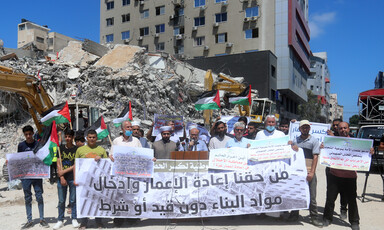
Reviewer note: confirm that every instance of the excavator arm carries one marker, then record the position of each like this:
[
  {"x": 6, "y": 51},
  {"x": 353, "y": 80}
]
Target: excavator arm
[{"x": 28, "y": 87}]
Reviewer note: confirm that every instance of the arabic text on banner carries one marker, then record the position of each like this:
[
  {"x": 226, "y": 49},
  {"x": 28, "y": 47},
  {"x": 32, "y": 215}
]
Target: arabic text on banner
[
  {"x": 160, "y": 120},
  {"x": 185, "y": 189},
  {"x": 318, "y": 130},
  {"x": 26, "y": 165},
  {"x": 235, "y": 158},
  {"x": 132, "y": 162},
  {"x": 346, "y": 153}
]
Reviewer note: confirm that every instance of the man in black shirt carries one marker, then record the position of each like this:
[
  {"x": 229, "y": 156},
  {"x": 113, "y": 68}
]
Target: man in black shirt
[{"x": 65, "y": 172}]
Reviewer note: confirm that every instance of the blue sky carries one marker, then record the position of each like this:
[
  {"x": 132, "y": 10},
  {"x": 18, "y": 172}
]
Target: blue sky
[{"x": 350, "y": 31}]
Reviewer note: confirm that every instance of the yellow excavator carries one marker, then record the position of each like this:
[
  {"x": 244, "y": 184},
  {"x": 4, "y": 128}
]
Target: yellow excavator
[
  {"x": 260, "y": 107},
  {"x": 38, "y": 100}
]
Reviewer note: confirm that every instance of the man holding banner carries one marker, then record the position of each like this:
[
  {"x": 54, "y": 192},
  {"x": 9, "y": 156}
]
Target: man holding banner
[
  {"x": 311, "y": 148},
  {"x": 343, "y": 181}
]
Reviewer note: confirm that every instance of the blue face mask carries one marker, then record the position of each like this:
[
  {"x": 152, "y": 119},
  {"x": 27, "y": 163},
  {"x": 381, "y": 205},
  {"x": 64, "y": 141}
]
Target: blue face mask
[
  {"x": 270, "y": 128},
  {"x": 128, "y": 133}
]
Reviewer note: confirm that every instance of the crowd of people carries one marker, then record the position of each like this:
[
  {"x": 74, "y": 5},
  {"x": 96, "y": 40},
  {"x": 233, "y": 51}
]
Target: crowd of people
[{"x": 341, "y": 182}]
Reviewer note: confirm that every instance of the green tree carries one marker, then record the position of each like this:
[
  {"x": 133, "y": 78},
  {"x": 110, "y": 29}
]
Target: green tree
[
  {"x": 354, "y": 120},
  {"x": 311, "y": 110}
]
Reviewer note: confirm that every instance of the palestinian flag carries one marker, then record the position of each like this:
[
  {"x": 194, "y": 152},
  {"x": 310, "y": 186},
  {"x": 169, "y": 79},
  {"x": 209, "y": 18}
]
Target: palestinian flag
[
  {"x": 58, "y": 113},
  {"x": 208, "y": 100},
  {"x": 47, "y": 146},
  {"x": 244, "y": 98},
  {"x": 100, "y": 127},
  {"x": 124, "y": 116}
]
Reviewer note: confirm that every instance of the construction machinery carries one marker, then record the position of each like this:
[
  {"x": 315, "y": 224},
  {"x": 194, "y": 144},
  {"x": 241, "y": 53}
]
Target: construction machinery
[
  {"x": 38, "y": 100},
  {"x": 260, "y": 107}
]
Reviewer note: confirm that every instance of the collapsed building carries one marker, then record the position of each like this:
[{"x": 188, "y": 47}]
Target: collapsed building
[{"x": 106, "y": 78}]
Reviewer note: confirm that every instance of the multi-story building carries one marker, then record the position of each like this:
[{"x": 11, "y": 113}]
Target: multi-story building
[
  {"x": 192, "y": 29},
  {"x": 379, "y": 80},
  {"x": 319, "y": 81},
  {"x": 29, "y": 32},
  {"x": 335, "y": 110}
]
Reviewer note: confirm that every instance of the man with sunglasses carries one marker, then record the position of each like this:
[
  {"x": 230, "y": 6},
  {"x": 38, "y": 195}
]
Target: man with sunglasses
[{"x": 238, "y": 140}]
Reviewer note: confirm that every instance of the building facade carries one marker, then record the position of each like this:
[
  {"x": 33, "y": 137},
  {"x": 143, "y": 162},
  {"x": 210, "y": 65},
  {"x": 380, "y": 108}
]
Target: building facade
[
  {"x": 207, "y": 28},
  {"x": 379, "y": 80},
  {"x": 31, "y": 33},
  {"x": 319, "y": 81},
  {"x": 335, "y": 110}
]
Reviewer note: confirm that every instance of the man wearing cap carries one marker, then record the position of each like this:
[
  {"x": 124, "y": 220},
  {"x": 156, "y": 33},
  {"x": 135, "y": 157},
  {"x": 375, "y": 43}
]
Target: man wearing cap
[
  {"x": 164, "y": 147},
  {"x": 220, "y": 139},
  {"x": 193, "y": 144},
  {"x": 270, "y": 129},
  {"x": 311, "y": 148},
  {"x": 136, "y": 133}
]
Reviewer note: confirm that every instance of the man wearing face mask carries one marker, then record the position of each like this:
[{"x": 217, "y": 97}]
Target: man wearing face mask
[
  {"x": 193, "y": 144},
  {"x": 127, "y": 139},
  {"x": 270, "y": 129}
]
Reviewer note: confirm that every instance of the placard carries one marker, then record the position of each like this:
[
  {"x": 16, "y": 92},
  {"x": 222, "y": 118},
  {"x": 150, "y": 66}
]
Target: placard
[
  {"x": 318, "y": 130},
  {"x": 26, "y": 165}
]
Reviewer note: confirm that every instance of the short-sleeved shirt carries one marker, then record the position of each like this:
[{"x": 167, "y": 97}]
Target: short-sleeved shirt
[
  {"x": 265, "y": 134},
  {"x": 68, "y": 159},
  {"x": 131, "y": 142},
  {"x": 24, "y": 146},
  {"x": 243, "y": 143},
  {"x": 88, "y": 152},
  {"x": 217, "y": 142},
  {"x": 310, "y": 146}
]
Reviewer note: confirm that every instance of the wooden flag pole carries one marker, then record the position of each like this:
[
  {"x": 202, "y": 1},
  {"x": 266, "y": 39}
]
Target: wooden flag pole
[{"x": 110, "y": 140}]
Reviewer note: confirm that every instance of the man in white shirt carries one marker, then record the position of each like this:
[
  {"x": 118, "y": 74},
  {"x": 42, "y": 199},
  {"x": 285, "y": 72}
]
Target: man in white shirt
[{"x": 270, "y": 129}]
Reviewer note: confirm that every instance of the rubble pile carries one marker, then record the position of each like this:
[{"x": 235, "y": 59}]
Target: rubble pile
[{"x": 154, "y": 83}]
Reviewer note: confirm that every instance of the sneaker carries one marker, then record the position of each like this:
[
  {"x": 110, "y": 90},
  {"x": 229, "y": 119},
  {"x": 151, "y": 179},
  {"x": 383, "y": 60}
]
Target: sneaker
[
  {"x": 44, "y": 224},
  {"x": 343, "y": 215},
  {"x": 29, "y": 224},
  {"x": 355, "y": 227},
  {"x": 75, "y": 224},
  {"x": 316, "y": 222},
  {"x": 58, "y": 225}
]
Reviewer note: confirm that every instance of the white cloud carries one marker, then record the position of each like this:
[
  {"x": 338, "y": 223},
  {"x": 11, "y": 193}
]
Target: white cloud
[{"x": 318, "y": 22}]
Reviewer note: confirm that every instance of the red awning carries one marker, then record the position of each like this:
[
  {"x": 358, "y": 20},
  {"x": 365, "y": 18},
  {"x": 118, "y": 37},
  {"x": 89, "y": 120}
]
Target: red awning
[
  {"x": 322, "y": 99},
  {"x": 327, "y": 80},
  {"x": 372, "y": 92}
]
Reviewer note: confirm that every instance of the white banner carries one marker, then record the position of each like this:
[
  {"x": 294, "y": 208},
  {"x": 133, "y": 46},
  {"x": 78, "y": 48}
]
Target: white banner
[
  {"x": 235, "y": 158},
  {"x": 26, "y": 165},
  {"x": 185, "y": 189},
  {"x": 346, "y": 153},
  {"x": 318, "y": 130}
]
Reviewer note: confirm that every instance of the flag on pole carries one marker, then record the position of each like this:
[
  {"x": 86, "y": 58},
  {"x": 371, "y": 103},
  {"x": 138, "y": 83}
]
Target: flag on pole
[
  {"x": 59, "y": 113},
  {"x": 244, "y": 98},
  {"x": 47, "y": 146},
  {"x": 100, "y": 127},
  {"x": 208, "y": 100},
  {"x": 124, "y": 116}
]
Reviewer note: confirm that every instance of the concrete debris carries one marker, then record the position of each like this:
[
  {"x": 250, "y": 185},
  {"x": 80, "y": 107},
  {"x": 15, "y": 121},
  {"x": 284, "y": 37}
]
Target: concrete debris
[
  {"x": 120, "y": 56},
  {"x": 73, "y": 54},
  {"x": 9, "y": 56},
  {"x": 94, "y": 48},
  {"x": 125, "y": 73}
]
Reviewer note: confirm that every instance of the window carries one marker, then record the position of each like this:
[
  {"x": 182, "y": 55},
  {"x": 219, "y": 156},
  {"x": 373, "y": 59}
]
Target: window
[
  {"x": 110, "y": 5},
  {"x": 145, "y": 47},
  {"x": 223, "y": 54},
  {"x": 160, "y": 10},
  {"x": 145, "y": 14},
  {"x": 221, "y": 38},
  {"x": 199, "y": 41},
  {"x": 200, "y": 21},
  {"x": 178, "y": 30},
  {"x": 160, "y": 46},
  {"x": 218, "y": 1},
  {"x": 125, "y": 35},
  {"x": 160, "y": 28},
  {"x": 252, "y": 12},
  {"x": 126, "y": 2},
  {"x": 125, "y": 18},
  {"x": 40, "y": 39},
  {"x": 199, "y": 3},
  {"x": 311, "y": 87},
  {"x": 252, "y": 33},
  {"x": 181, "y": 11},
  {"x": 109, "y": 38},
  {"x": 180, "y": 49},
  {"x": 22, "y": 27},
  {"x": 109, "y": 21},
  {"x": 144, "y": 31},
  {"x": 222, "y": 17},
  {"x": 251, "y": 51}
]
